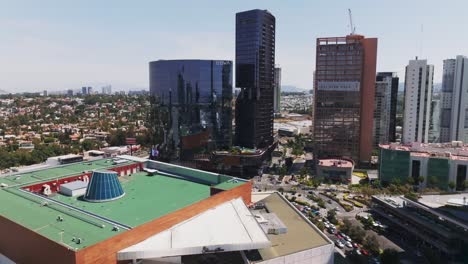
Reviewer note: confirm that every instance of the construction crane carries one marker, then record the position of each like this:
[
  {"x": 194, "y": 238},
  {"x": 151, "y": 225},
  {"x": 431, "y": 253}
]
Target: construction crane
[{"x": 353, "y": 29}]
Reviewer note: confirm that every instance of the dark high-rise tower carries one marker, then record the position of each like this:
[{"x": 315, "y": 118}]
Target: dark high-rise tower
[
  {"x": 382, "y": 76},
  {"x": 255, "y": 70}
]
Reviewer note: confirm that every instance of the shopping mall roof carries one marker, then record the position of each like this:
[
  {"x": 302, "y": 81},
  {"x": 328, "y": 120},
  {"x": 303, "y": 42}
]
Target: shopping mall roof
[
  {"x": 301, "y": 234},
  {"x": 65, "y": 219},
  {"x": 227, "y": 227}
]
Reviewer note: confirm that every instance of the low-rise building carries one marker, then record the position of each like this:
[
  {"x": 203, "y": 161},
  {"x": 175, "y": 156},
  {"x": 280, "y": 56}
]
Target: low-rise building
[
  {"x": 335, "y": 169},
  {"x": 436, "y": 163},
  {"x": 426, "y": 227}
]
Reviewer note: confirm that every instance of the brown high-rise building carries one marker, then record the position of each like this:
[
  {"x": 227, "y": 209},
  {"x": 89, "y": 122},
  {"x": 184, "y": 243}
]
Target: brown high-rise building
[{"x": 344, "y": 89}]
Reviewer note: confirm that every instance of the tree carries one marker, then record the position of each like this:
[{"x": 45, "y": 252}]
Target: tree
[
  {"x": 420, "y": 179},
  {"x": 117, "y": 138},
  {"x": 283, "y": 170},
  {"x": 88, "y": 144},
  {"x": 451, "y": 185},
  {"x": 357, "y": 233},
  {"x": 320, "y": 225},
  {"x": 376, "y": 183},
  {"x": 303, "y": 171},
  {"x": 432, "y": 181},
  {"x": 372, "y": 244},
  {"x": 390, "y": 256},
  {"x": 410, "y": 180},
  {"x": 331, "y": 216},
  {"x": 346, "y": 226}
]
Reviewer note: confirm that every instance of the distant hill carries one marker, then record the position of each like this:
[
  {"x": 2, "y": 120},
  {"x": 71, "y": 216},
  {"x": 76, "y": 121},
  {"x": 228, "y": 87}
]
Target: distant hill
[
  {"x": 292, "y": 89},
  {"x": 4, "y": 92}
]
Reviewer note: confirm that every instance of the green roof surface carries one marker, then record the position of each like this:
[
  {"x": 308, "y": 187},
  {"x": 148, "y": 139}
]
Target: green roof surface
[
  {"x": 58, "y": 172},
  {"x": 146, "y": 198}
]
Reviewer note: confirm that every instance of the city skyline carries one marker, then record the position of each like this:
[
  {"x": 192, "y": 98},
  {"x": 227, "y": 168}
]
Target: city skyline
[{"x": 59, "y": 46}]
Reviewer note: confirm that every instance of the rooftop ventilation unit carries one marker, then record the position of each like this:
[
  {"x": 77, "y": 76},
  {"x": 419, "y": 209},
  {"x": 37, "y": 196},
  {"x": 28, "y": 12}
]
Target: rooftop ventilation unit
[{"x": 104, "y": 186}]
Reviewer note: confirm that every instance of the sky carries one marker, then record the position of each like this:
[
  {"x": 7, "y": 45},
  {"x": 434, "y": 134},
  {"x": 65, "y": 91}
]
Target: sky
[{"x": 64, "y": 44}]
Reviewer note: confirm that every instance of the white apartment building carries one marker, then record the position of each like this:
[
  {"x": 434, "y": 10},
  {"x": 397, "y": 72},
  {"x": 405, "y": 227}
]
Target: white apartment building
[
  {"x": 418, "y": 97},
  {"x": 454, "y": 105}
]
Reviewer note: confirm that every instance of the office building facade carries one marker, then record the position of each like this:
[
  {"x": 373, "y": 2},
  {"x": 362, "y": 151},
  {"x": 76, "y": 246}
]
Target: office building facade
[
  {"x": 418, "y": 98},
  {"x": 454, "y": 101},
  {"x": 277, "y": 93},
  {"x": 193, "y": 105},
  {"x": 392, "y": 78},
  {"x": 255, "y": 74},
  {"x": 434, "y": 125},
  {"x": 106, "y": 89},
  {"x": 344, "y": 90},
  {"x": 382, "y": 112}
]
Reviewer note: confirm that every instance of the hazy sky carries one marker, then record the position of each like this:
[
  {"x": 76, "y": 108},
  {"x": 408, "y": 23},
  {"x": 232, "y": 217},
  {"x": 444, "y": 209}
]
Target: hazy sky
[{"x": 64, "y": 44}]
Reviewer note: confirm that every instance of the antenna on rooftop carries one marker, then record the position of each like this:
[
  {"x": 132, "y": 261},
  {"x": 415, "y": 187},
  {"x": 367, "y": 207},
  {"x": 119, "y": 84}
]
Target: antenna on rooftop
[
  {"x": 353, "y": 28},
  {"x": 421, "y": 41}
]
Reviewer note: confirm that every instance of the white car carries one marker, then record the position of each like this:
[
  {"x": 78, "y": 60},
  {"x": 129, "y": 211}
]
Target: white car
[
  {"x": 339, "y": 244},
  {"x": 348, "y": 239},
  {"x": 348, "y": 244}
]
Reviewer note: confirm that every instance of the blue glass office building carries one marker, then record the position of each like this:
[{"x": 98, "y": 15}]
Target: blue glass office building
[{"x": 193, "y": 100}]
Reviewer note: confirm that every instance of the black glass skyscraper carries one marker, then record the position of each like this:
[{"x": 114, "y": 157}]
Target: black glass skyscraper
[
  {"x": 393, "y": 101},
  {"x": 255, "y": 69},
  {"x": 192, "y": 105}
]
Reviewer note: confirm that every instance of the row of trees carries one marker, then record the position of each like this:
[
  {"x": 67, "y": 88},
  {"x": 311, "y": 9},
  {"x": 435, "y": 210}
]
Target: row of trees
[{"x": 16, "y": 158}]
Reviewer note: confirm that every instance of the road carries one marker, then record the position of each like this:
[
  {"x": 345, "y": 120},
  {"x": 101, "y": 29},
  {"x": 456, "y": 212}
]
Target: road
[{"x": 385, "y": 241}]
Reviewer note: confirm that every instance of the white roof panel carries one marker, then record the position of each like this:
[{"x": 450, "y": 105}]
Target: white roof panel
[{"x": 229, "y": 226}]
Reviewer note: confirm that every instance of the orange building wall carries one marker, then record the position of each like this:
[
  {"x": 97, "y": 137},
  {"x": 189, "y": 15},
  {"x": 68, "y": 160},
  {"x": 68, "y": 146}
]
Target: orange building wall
[
  {"x": 367, "y": 98},
  {"x": 25, "y": 246}
]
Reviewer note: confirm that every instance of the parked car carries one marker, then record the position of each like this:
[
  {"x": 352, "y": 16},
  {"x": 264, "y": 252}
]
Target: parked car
[
  {"x": 348, "y": 244},
  {"x": 339, "y": 244},
  {"x": 355, "y": 245},
  {"x": 364, "y": 252}
]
